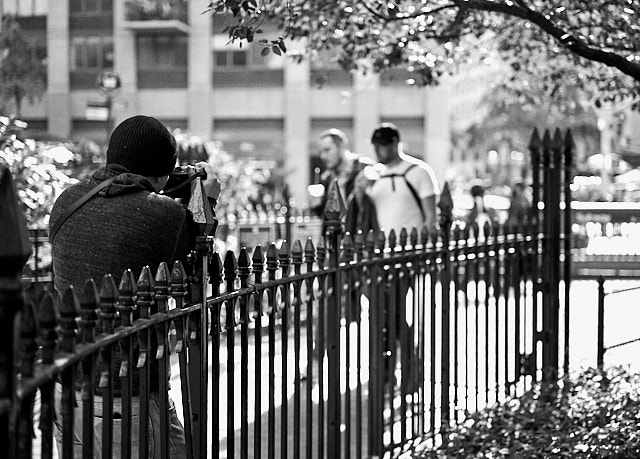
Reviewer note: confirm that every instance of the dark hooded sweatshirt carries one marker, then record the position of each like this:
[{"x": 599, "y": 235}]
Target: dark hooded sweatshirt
[{"x": 126, "y": 226}]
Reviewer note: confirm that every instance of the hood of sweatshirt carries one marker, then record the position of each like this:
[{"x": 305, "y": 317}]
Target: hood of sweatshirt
[{"x": 124, "y": 183}]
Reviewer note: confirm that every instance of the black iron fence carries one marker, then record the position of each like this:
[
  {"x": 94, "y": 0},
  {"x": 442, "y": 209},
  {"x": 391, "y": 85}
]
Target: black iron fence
[{"x": 349, "y": 346}]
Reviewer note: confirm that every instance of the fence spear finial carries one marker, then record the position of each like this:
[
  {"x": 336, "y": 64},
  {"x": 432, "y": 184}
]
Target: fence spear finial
[
  {"x": 144, "y": 299},
  {"x": 296, "y": 253},
  {"x": 89, "y": 303},
  {"x": 69, "y": 312},
  {"x": 569, "y": 145},
  {"x": 347, "y": 247},
  {"x": 535, "y": 142},
  {"x": 309, "y": 251},
  {"x": 127, "y": 289}
]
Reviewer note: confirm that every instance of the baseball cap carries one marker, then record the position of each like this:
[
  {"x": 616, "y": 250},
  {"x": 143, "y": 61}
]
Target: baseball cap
[{"x": 385, "y": 134}]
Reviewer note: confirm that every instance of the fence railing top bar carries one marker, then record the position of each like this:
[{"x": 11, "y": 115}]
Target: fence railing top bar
[
  {"x": 622, "y": 290},
  {"x": 48, "y": 371}
]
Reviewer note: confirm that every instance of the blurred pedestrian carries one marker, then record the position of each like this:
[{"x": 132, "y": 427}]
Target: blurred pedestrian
[
  {"x": 343, "y": 166},
  {"x": 480, "y": 212},
  {"x": 404, "y": 195},
  {"x": 405, "y": 192},
  {"x": 519, "y": 207}
]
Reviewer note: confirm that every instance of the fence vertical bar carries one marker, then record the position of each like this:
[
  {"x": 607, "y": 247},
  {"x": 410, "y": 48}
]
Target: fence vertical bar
[
  {"x": 230, "y": 273},
  {"x": 333, "y": 230},
  {"x": 477, "y": 249},
  {"x": 547, "y": 262},
  {"x": 26, "y": 354},
  {"x": 125, "y": 309},
  {"x": 346, "y": 291},
  {"x": 272, "y": 267},
  {"x": 601, "y": 296},
  {"x": 296, "y": 257},
  {"x": 144, "y": 300},
  {"x": 178, "y": 291},
  {"x": 535, "y": 145},
  {"x": 376, "y": 395},
  {"x": 446, "y": 208},
  {"x": 215, "y": 267},
  {"x": 568, "y": 221},
  {"x": 199, "y": 352},
  {"x": 321, "y": 344},
  {"x": 244, "y": 270},
  {"x": 555, "y": 220},
  {"x": 359, "y": 241},
  {"x": 69, "y": 309},
  {"x": 257, "y": 263},
  {"x": 433, "y": 278},
  {"x": 309, "y": 258},
  {"x": 284, "y": 257},
  {"x": 48, "y": 335},
  {"x": 161, "y": 288}
]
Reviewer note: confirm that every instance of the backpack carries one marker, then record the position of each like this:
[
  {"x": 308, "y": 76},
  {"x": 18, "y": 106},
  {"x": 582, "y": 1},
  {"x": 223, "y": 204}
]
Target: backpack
[{"x": 412, "y": 189}]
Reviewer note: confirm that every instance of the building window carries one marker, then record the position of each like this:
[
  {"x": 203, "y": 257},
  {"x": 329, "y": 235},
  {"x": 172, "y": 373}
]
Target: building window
[
  {"x": 91, "y": 7},
  {"x": 162, "y": 52},
  {"x": 239, "y": 58},
  {"x": 92, "y": 53}
]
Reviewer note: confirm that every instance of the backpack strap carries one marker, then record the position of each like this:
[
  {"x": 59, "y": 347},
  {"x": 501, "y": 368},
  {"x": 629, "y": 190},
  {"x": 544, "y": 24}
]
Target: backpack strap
[
  {"x": 76, "y": 205},
  {"x": 412, "y": 189}
]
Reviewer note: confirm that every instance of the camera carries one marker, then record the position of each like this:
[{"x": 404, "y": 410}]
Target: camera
[{"x": 178, "y": 185}]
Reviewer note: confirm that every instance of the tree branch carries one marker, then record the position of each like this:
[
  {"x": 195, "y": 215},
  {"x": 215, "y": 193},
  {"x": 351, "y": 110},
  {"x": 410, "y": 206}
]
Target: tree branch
[
  {"x": 572, "y": 43},
  {"x": 405, "y": 16}
]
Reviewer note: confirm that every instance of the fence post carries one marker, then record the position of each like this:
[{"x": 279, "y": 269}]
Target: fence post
[
  {"x": 601, "y": 295},
  {"x": 14, "y": 252},
  {"x": 550, "y": 258},
  {"x": 446, "y": 207},
  {"x": 204, "y": 218},
  {"x": 333, "y": 231}
]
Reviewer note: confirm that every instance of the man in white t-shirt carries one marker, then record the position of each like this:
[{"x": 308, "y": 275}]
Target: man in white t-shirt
[
  {"x": 404, "y": 194},
  {"x": 405, "y": 191}
]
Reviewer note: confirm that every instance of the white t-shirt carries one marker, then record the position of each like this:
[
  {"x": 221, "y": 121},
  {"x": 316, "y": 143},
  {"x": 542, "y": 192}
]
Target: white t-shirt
[{"x": 396, "y": 206}]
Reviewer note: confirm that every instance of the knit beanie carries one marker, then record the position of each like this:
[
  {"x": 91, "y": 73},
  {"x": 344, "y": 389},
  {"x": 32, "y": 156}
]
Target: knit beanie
[{"x": 143, "y": 145}]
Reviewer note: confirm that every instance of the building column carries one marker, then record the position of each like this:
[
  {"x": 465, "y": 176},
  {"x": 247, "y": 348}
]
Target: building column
[
  {"x": 199, "y": 72},
  {"x": 125, "y": 100},
  {"x": 366, "y": 111},
  {"x": 58, "y": 102},
  {"x": 297, "y": 126},
  {"x": 437, "y": 129}
]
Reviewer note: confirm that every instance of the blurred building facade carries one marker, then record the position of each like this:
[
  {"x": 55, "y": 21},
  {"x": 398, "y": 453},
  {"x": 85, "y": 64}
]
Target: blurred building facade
[{"x": 175, "y": 63}]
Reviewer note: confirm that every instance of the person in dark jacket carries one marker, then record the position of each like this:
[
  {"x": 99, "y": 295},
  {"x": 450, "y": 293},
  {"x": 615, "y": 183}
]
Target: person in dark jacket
[
  {"x": 342, "y": 165},
  {"x": 481, "y": 213},
  {"x": 127, "y": 225}
]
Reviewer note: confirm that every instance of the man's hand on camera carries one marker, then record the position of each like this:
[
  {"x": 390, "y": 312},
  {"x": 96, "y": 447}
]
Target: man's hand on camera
[{"x": 212, "y": 185}]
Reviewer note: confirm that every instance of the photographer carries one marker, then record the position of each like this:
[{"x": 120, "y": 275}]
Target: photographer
[{"x": 114, "y": 220}]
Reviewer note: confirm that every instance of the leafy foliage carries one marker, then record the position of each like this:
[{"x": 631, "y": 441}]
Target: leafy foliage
[
  {"x": 592, "y": 414},
  {"x": 22, "y": 73},
  {"x": 43, "y": 170},
  {"x": 556, "y": 45}
]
